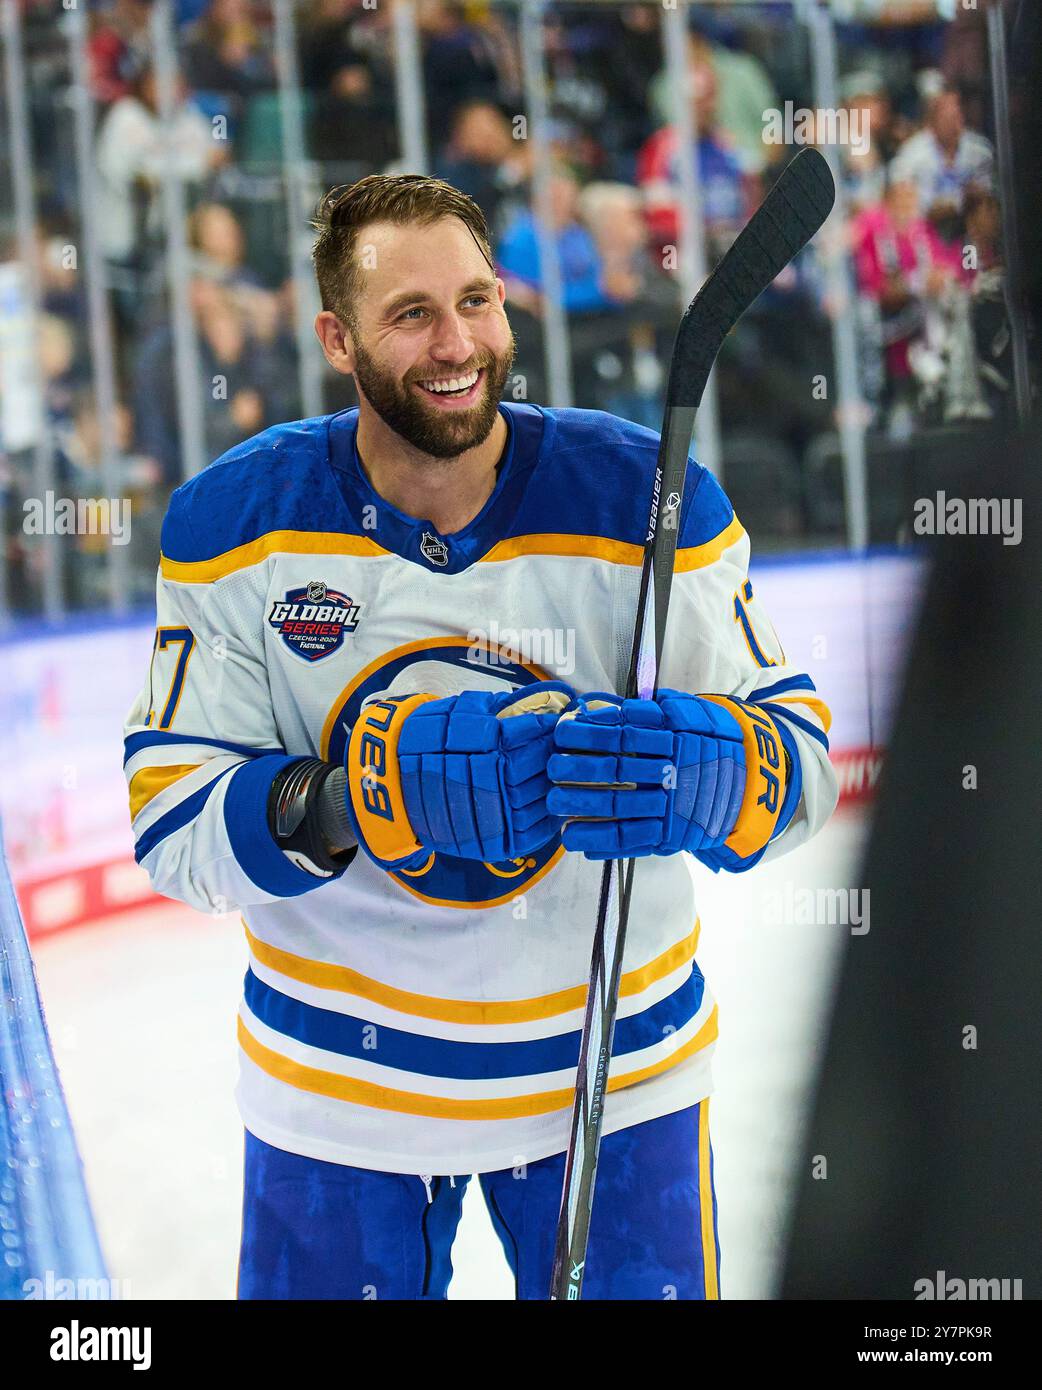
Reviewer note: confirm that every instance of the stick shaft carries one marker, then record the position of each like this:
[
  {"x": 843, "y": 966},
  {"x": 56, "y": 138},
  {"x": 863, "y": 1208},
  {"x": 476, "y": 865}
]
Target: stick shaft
[{"x": 791, "y": 214}]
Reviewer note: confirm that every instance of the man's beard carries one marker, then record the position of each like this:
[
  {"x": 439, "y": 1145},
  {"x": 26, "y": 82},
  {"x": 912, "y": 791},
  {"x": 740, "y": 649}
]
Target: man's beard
[{"x": 442, "y": 434}]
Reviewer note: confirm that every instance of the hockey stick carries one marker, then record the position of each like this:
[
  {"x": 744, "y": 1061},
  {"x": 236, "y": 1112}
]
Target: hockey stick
[{"x": 789, "y": 216}]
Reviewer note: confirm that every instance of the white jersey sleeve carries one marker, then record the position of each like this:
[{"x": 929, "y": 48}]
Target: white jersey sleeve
[
  {"x": 202, "y": 748},
  {"x": 720, "y": 641}
]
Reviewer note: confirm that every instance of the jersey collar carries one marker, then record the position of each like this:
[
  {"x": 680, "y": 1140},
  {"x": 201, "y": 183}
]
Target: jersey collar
[{"x": 417, "y": 539}]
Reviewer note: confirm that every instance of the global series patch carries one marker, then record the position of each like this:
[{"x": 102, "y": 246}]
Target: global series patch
[{"x": 312, "y": 620}]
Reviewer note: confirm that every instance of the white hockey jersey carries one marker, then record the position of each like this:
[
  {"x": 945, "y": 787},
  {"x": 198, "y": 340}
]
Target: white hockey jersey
[{"x": 429, "y": 1021}]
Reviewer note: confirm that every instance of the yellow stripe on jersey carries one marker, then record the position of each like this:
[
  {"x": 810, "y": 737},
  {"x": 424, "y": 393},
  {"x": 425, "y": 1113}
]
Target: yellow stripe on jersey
[
  {"x": 327, "y": 975},
  {"x": 550, "y": 543},
  {"x": 705, "y": 1201},
  {"x": 697, "y": 557},
  {"x": 271, "y": 543},
  {"x": 368, "y": 1093},
  {"x": 343, "y": 543},
  {"x": 150, "y": 781},
  {"x": 819, "y": 707},
  {"x": 691, "y": 557}
]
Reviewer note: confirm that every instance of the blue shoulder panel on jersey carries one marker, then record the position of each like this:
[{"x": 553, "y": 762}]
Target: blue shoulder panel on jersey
[
  {"x": 707, "y": 509},
  {"x": 595, "y": 478},
  {"x": 585, "y": 473},
  {"x": 277, "y": 481}
]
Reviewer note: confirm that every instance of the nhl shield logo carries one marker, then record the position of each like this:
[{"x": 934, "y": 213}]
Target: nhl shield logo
[
  {"x": 433, "y": 550},
  {"x": 312, "y": 620}
]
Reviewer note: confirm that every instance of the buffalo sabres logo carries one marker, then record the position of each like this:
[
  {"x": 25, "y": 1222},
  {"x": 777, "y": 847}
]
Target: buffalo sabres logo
[
  {"x": 312, "y": 620},
  {"x": 434, "y": 550}
]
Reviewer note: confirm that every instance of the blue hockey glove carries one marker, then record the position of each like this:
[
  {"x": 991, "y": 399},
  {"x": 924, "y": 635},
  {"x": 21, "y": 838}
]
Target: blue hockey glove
[
  {"x": 464, "y": 776},
  {"x": 639, "y": 777}
]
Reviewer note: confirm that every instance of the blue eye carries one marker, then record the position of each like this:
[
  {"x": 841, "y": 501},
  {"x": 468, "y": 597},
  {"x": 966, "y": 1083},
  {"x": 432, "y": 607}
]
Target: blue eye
[{"x": 418, "y": 309}]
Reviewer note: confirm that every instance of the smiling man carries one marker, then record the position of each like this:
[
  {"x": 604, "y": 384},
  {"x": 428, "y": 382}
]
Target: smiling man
[{"x": 409, "y": 812}]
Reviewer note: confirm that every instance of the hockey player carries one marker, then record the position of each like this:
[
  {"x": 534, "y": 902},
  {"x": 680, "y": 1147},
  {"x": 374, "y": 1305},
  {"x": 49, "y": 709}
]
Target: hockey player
[{"x": 379, "y": 722}]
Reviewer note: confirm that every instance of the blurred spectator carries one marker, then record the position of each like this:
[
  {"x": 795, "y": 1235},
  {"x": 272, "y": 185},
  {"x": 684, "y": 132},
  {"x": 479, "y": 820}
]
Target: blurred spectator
[
  {"x": 613, "y": 213},
  {"x": 81, "y": 452},
  {"x": 217, "y": 239},
  {"x": 246, "y": 384},
  {"x": 133, "y": 154},
  {"x": 219, "y": 246},
  {"x": 983, "y": 219},
  {"x": 578, "y": 102},
  {"x": 462, "y": 61},
  {"x": 62, "y": 367},
  {"x": 117, "y": 48},
  {"x": 988, "y": 311},
  {"x": 352, "y": 81},
  {"x": 943, "y": 160},
  {"x": 619, "y": 357},
  {"x": 728, "y": 193},
  {"x": 903, "y": 268},
  {"x": 187, "y": 11},
  {"x": 137, "y": 481},
  {"x": 483, "y": 160},
  {"x": 575, "y": 148},
  {"x": 964, "y": 60},
  {"x": 743, "y": 91},
  {"x": 865, "y": 168},
  {"x": 60, "y": 282},
  {"x": 897, "y": 38},
  {"x": 226, "y": 55},
  {"x": 581, "y": 269},
  {"x": 620, "y": 53}
]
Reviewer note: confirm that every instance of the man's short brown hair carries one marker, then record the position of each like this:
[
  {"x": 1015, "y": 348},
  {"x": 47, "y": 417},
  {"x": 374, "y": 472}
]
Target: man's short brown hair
[{"x": 398, "y": 198}]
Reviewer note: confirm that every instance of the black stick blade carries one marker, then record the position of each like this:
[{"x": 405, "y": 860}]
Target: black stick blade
[{"x": 785, "y": 221}]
